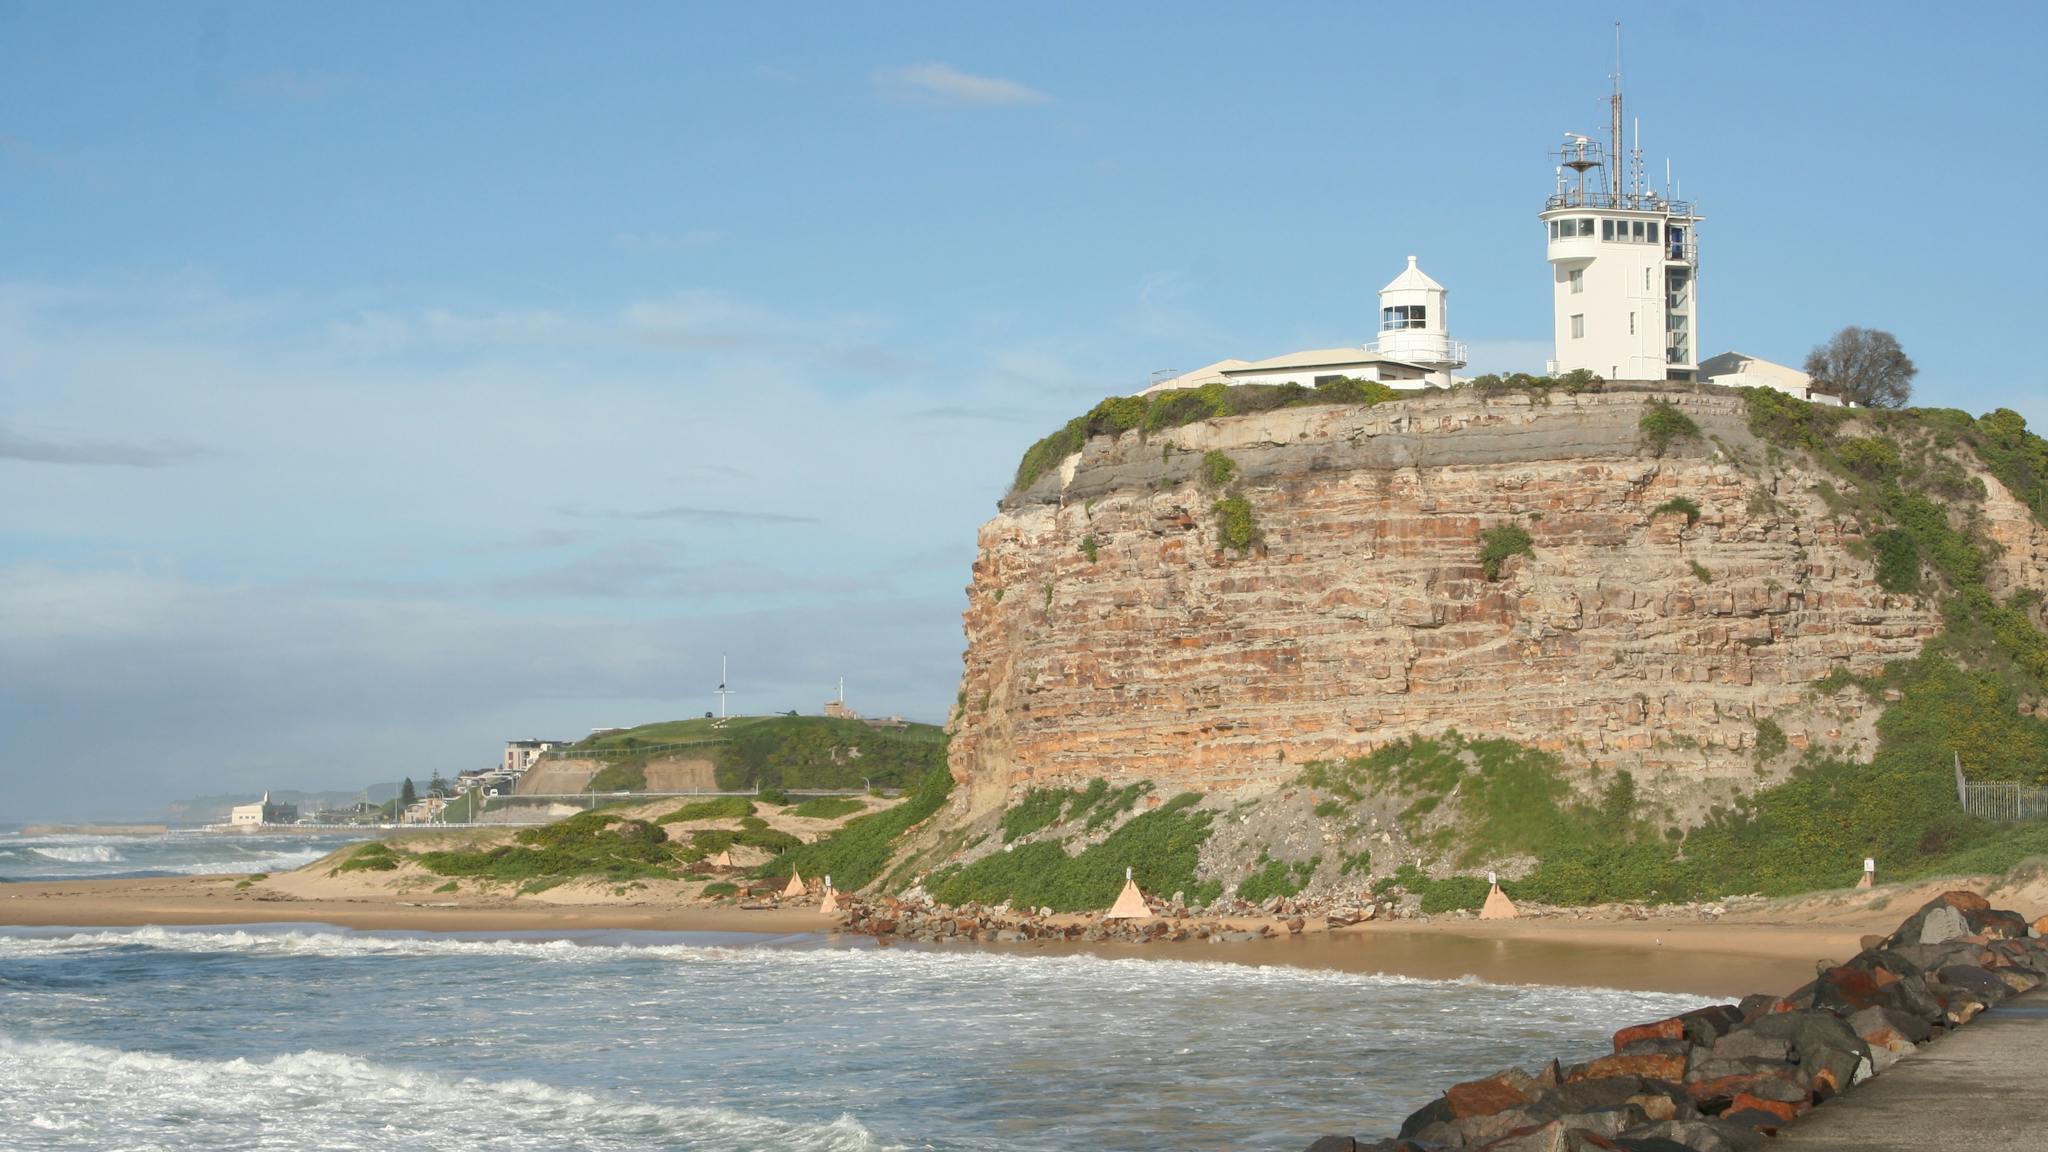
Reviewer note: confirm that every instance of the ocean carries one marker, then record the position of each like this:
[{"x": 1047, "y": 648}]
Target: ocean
[
  {"x": 303, "y": 1037},
  {"x": 290, "y": 1037},
  {"x": 176, "y": 853}
]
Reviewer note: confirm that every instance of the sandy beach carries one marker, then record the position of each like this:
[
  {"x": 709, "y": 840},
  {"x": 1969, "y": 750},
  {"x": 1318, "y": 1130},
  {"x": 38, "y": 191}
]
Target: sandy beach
[{"x": 1769, "y": 947}]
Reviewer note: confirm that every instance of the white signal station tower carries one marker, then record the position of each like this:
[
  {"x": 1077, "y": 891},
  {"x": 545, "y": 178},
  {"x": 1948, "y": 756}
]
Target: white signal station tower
[{"x": 1624, "y": 262}]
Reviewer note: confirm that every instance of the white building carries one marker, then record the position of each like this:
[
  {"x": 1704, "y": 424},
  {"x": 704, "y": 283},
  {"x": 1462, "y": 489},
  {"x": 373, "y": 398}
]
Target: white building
[
  {"x": 260, "y": 813},
  {"x": 1414, "y": 349},
  {"x": 520, "y": 754},
  {"x": 1737, "y": 370},
  {"x": 1624, "y": 265}
]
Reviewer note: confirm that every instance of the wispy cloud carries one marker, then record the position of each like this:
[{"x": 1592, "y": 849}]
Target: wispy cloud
[
  {"x": 949, "y": 85},
  {"x": 94, "y": 453},
  {"x": 692, "y": 515}
]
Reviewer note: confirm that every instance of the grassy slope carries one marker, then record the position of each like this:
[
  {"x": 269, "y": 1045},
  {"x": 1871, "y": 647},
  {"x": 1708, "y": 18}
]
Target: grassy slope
[{"x": 778, "y": 752}]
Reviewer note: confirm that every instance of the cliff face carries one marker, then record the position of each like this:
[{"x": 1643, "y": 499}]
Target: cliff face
[{"x": 1630, "y": 639}]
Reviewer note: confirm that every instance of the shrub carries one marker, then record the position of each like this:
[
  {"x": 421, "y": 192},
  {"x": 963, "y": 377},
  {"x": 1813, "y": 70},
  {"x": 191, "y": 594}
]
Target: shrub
[
  {"x": 1047, "y": 453},
  {"x": 1770, "y": 738},
  {"x": 1661, "y": 423},
  {"x": 1785, "y": 420},
  {"x": 1501, "y": 541},
  {"x": 1277, "y": 878},
  {"x": 1679, "y": 504},
  {"x": 376, "y": 856},
  {"x": 723, "y": 808},
  {"x": 1700, "y": 573},
  {"x": 1869, "y": 457},
  {"x": 775, "y": 796},
  {"x": 1040, "y": 808},
  {"x": 1360, "y": 861},
  {"x": 1162, "y": 847},
  {"x": 721, "y": 890},
  {"x": 1089, "y": 547},
  {"x": 1217, "y": 468},
  {"x": 1330, "y": 808},
  {"x": 827, "y": 807},
  {"x": 1236, "y": 527},
  {"x": 619, "y": 778},
  {"x": 856, "y": 854},
  {"x": 1898, "y": 561}
]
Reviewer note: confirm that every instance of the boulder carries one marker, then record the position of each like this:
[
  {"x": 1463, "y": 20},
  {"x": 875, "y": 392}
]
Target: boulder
[
  {"x": 1654, "y": 1066},
  {"x": 1502, "y": 1090},
  {"x": 1696, "y": 1135},
  {"x": 1985, "y": 985},
  {"x": 1334, "y": 1144},
  {"x": 1750, "y": 1045}
]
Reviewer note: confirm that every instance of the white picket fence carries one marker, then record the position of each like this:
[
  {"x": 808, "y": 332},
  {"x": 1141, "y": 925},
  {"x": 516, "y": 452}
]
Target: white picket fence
[{"x": 1999, "y": 800}]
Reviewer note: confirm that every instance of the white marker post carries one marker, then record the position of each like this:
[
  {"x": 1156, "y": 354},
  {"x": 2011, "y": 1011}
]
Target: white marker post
[{"x": 1869, "y": 873}]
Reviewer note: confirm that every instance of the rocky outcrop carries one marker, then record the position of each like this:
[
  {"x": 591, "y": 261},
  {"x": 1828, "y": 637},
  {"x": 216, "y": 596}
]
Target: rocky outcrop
[
  {"x": 1725, "y": 1077},
  {"x": 1110, "y": 633}
]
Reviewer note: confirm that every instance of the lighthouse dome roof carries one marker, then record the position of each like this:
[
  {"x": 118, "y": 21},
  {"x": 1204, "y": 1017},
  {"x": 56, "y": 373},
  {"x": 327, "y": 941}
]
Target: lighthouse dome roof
[{"x": 1411, "y": 279}]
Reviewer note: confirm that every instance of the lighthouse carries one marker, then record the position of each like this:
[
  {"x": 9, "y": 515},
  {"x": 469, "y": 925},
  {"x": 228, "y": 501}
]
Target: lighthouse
[
  {"x": 1624, "y": 262},
  {"x": 1415, "y": 325}
]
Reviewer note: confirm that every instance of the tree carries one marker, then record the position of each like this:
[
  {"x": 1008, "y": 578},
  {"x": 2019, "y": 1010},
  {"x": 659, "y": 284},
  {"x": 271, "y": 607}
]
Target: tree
[
  {"x": 437, "y": 786},
  {"x": 1863, "y": 366},
  {"x": 407, "y": 794}
]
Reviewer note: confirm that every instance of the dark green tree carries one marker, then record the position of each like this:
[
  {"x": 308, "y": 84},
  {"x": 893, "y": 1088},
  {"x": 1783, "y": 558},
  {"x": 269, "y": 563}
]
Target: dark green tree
[
  {"x": 407, "y": 794},
  {"x": 438, "y": 787},
  {"x": 1863, "y": 366}
]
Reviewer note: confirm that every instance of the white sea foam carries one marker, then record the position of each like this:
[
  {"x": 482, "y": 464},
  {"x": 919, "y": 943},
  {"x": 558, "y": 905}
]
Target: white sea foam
[
  {"x": 964, "y": 967},
  {"x": 79, "y": 853},
  {"x": 90, "y": 1097},
  {"x": 279, "y": 862}
]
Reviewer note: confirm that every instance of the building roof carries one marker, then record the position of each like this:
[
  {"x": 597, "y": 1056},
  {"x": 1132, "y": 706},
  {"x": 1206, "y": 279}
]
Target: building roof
[
  {"x": 1413, "y": 278},
  {"x": 1315, "y": 358},
  {"x": 1206, "y": 374}
]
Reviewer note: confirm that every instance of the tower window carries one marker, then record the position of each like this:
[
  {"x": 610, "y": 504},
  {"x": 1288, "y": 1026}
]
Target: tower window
[
  {"x": 1585, "y": 225},
  {"x": 1577, "y": 279},
  {"x": 1553, "y": 229},
  {"x": 1631, "y": 323},
  {"x": 1653, "y": 231},
  {"x": 1400, "y": 316},
  {"x": 1606, "y": 229},
  {"x": 1578, "y": 325},
  {"x": 1636, "y": 231}
]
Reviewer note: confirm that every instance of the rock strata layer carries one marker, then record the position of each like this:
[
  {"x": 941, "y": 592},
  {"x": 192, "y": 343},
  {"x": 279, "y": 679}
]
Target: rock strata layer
[
  {"x": 1725, "y": 1077},
  {"x": 1111, "y": 633}
]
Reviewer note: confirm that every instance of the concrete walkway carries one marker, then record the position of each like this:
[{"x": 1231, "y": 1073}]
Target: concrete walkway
[{"x": 1980, "y": 1087}]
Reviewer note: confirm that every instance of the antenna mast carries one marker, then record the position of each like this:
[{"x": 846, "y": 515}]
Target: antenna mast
[{"x": 1614, "y": 121}]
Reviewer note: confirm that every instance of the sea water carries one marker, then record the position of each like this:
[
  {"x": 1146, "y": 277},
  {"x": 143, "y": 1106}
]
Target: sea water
[
  {"x": 176, "y": 853},
  {"x": 316, "y": 1038}
]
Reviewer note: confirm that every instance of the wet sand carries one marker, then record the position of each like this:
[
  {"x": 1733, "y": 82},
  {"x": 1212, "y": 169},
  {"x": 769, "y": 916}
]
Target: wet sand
[{"x": 1666, "y": 955}]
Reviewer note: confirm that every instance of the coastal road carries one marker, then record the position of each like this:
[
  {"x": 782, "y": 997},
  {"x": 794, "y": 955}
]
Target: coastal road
[{"x": 1977, "y": 1088}]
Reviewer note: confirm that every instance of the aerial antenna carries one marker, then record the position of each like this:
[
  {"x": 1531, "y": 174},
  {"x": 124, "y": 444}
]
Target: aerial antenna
[
  {"x": 1635, "y": 164},
  {"x": 842, "y": 690},
  {"x": 1614, "y": 120}
]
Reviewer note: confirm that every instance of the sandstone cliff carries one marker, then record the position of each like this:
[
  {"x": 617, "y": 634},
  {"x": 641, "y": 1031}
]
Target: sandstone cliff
[{"x": 1111, "y": 634}]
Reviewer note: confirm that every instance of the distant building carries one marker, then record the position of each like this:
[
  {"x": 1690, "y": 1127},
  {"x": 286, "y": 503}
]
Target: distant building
[
  {"x": 1738, "y": 370},
  {"x": 260, "y": 813},
  {"x": 521, "y": 754}
]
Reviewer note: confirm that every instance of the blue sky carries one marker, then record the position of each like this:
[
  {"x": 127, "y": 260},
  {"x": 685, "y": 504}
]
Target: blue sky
[{"x": 380, "y": 383}]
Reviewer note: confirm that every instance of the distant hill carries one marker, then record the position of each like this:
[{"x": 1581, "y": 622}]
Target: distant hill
[
  {"x": 774, "y": 752},
  {"x": 214, "y": 808}
]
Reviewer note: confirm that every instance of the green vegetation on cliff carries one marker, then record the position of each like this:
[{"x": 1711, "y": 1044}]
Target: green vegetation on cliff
[
  {"x": 1161, "y": 846},
  {"x": 855, "y": 855},
  {"x": 773, "y": 752},
  {"x": 1164, "y": 410}
]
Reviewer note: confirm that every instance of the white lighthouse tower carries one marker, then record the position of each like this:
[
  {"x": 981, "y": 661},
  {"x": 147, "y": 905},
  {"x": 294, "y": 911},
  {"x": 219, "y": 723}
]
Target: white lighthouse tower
[
  {"x": 1415, "y": 325},
  {"x": 1624, "y": 262}
]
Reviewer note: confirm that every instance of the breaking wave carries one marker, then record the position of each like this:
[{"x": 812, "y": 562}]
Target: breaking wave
[
  {"x": 82, "y": 1096},
  {"x": 80, "y": 853}
]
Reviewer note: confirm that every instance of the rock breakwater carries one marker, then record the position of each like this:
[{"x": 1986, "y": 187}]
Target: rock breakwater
[{"x": 1726, "y": 1077}]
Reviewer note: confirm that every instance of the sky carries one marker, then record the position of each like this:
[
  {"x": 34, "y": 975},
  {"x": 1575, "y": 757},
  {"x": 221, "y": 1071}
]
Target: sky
[{"x": 382, "y": 382}]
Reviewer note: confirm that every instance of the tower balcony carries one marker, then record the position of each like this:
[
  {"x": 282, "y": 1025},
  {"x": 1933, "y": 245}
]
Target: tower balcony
[
  {"x": 1432, "y": 349},
  {"x": 1608, "y": 201}
]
